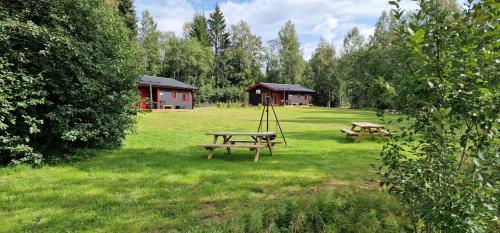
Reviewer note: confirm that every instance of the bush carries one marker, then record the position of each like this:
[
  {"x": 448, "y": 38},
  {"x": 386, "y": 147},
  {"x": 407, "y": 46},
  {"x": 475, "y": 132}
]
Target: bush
[
  {"x": 63, "y": 87},
  {"x": 207, "y": 94}
]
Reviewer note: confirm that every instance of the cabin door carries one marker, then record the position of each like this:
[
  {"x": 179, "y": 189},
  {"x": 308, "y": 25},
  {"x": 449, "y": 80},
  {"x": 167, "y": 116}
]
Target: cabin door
[{"x": 144, "y": 94}]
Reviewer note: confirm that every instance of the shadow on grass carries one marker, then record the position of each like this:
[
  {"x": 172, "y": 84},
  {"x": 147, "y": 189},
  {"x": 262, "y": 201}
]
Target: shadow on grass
[
  {"x": 176, "y": 188},
  {"x": 328, "y": 120}
]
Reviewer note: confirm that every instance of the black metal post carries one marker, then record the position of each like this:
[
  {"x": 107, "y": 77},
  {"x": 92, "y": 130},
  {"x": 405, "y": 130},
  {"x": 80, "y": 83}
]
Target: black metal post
[
  {"x": 278, "y": 122},
  {"x": 267, "y": 111}
]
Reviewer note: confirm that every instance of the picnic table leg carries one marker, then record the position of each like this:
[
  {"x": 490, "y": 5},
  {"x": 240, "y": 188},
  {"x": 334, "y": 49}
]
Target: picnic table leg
[
  {"x": 211, "y": 150},
  {"x": 360, "y": 135},
  {"x": 226, "y": 139},
  {"x": 381, "y": 132},
  {"x": 269, "y": 144},
  {"x": 257, "y": 150}
]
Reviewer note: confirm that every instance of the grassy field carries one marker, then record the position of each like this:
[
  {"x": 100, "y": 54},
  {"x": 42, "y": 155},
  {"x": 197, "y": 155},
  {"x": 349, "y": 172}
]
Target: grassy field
[{"x": 161, "y": 182}]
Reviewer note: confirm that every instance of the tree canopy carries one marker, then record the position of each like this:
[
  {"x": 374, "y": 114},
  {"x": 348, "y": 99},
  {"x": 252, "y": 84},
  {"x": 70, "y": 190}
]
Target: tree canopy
[{"x": 68, "y": 78}]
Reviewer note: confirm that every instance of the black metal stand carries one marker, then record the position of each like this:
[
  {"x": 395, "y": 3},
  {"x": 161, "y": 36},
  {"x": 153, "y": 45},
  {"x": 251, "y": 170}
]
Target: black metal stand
[{"x": 266, "y": 110}]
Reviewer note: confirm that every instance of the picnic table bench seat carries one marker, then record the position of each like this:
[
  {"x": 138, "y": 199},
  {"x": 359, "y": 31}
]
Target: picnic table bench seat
[
  {"x": 211, "y": 146},
  {"x": 249, "y": 141},
  {"x": 387, "y": 133},
  {"x": 260, "y": 140},
  {"x": 350, "y": 132}
]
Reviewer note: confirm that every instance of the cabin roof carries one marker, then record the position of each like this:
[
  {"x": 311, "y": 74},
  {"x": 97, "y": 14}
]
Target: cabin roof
[
  {"x": 282, "y": 87},
  {"x": 164, "y": 82}
]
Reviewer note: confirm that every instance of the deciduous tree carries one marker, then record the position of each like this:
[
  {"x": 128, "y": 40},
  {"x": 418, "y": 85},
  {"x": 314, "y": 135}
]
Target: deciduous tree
[
  {"x": 444, "y": 165},
  {"x": 149, "y": 44},
  {"x": 291, "y": 57}
]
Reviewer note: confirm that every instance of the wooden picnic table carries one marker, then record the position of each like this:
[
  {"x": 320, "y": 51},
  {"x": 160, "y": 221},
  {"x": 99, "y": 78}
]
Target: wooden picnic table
[
  {"x": 259, "y": 140},
  {"x": 359, "y": 129}
]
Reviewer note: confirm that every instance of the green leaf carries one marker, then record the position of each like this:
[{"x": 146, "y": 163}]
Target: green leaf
[{"x": 394, "y": 3}]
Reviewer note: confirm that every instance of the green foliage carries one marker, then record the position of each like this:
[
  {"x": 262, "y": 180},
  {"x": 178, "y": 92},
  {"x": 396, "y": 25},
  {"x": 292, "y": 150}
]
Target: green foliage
[
  {"x": 323, "y": 77},
  {"x": 219, "y": 39},
  {"x": 208, "y": 94},
  {"x": 444, "y": 166},
  {"x": 127, "y": 11},
  {"x": 199, "y": 30},
  {"x": 291, "y": 60},
  {"x": 149, "y": 45},
  {"x": 186, "y": 60},
  {"x": 272, "y": 63},
  {"x": 67, "y": 77},
  {"x": 243, "y": 58}
]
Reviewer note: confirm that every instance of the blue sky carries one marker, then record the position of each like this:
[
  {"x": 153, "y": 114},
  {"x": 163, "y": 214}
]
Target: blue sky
[{"x": 313, "y": 19}]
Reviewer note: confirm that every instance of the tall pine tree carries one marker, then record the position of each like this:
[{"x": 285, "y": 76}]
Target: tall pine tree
[
  {"x": 126, "y": 10},
  {"x": 199, "y": 30},
  {"x": 219, "y": 39}
]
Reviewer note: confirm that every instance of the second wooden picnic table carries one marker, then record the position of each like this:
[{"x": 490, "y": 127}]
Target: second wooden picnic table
[
  {"x": 259, "y": 140},
  {"x": 365, "y": 128}
]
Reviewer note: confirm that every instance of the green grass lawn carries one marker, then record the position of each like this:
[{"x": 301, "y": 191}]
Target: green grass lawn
[{"x": 160, "y": 181}]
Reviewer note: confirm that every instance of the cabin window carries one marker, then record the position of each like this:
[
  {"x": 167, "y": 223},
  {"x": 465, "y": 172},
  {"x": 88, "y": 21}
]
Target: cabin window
[
  {"x": 174, "y": 94},
  {"x": 185, "y": 96},
  {"x": 298, "y": 95}
]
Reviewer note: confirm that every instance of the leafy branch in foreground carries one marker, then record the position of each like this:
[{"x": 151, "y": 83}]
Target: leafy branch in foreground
[{"x": 444, "y": 166}]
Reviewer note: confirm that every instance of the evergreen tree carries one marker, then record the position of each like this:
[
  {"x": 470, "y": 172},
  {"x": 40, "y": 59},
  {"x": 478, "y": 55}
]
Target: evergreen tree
[
  {"x": 198, "y": 29},
  {"x": 149, "y": 43},
  {"x": 290, "y": 54},
  {"x": 127, "y": 11},
  {"x": 219, "y": 39}
]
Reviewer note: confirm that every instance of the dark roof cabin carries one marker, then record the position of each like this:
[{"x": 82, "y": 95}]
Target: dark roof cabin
[
  {"x": 165, "y": 93},
  {"x": 281, "y": 94}
]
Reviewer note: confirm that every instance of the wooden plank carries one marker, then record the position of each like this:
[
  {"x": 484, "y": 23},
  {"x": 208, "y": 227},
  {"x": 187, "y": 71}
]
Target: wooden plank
[
  {"x": 269, "y": 145},
  {"x": 257, "y": 150},
  {"x": 242, "y": 141},
  {"x": 211, "y": 150},
  {"x": 208, "y": 146},
  {"x": 226, "y": 141},
  {"x": 251, "y": 141},
  {"x": 366, "y": 125},
  {"x": 243, "y": 133},
  {"x": 386, "y": 133},
  {"x": 349, "y": 132}
]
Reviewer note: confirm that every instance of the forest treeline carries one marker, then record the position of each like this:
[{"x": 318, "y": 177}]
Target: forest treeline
[{"x": 225, "y": 60}]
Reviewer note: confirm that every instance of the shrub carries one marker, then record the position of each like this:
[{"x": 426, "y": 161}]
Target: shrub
[{"x": 67, "y": 77}]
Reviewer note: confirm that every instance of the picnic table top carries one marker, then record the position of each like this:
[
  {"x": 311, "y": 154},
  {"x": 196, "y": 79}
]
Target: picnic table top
[
  {"x": 243, "y": 133},
  {"x": 367, "y": 125}
]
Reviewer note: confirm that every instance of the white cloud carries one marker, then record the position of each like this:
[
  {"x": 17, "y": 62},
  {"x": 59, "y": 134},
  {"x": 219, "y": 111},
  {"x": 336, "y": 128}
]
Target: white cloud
[
  {"x": 170, "y": 15},
  {"x": 313, "y": 19},
  {"x": 308, "y": 49}
]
